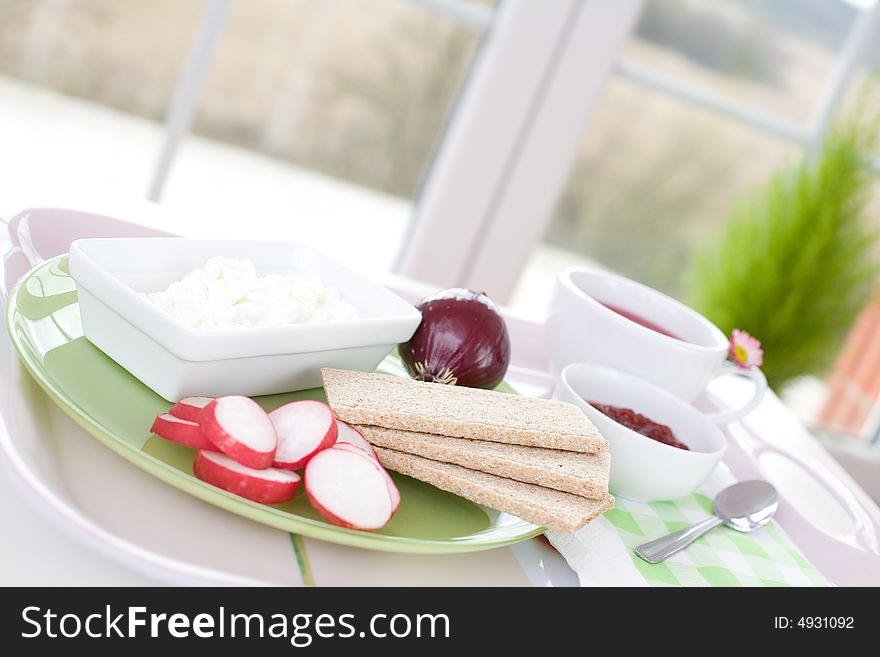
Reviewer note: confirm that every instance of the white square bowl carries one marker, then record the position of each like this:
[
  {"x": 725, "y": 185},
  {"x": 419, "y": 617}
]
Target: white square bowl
[{"x": 177, "y": 361}]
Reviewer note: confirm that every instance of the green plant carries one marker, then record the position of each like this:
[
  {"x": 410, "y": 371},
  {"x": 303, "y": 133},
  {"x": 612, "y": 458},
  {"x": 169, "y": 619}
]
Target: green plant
[{"x": 794, "y": 264}]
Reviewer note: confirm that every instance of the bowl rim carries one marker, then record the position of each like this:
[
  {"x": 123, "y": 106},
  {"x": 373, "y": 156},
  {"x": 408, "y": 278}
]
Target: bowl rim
[
  {"x": 136, "y": 297},
  {"x": 635, "y": 436},
  {"x": 195, "y": 344}
]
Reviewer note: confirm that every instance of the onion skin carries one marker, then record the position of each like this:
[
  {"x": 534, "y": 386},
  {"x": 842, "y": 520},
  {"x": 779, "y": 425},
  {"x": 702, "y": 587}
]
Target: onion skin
[{"x": 462, "y": 340}]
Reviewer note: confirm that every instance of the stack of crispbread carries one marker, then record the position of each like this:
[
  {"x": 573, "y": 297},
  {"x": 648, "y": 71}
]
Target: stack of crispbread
[{"x": 539, "y": 459}]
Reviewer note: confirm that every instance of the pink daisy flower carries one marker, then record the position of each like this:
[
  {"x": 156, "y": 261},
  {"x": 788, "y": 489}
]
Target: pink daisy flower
[{"x": 745, "y": 350}]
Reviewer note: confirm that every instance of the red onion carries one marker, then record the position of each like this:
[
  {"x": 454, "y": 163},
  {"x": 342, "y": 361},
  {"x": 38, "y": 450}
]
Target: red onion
[{"x": 462, "y": 340}]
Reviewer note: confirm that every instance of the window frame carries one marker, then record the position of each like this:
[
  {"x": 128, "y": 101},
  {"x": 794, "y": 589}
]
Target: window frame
[{"x": 488, "y": 247}]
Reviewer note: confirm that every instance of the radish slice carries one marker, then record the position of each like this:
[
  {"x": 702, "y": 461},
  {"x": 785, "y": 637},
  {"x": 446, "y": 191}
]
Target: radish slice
[
  {"x": 239, "y": 428},
  {"x": 348, "y": 489},
  {"x": 268, "y": 486},
  {"x": 182, "y": 432},
  {"x": 304, "y": 428},
  {"x": 392, "y": 487},
  {"x": 348, "y": 434},
  {"x": 190, "y": 408}
]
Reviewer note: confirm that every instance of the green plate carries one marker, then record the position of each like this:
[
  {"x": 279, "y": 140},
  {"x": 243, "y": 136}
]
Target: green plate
[{"x": 118, "y": 410}]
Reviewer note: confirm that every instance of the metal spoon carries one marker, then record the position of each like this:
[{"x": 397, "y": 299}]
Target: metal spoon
[{"x": 745, "y": 506}]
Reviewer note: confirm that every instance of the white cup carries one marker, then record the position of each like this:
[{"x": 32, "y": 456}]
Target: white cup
[
  {"x": 643, "y": 469},
  {"x": 581, "y": 328}
]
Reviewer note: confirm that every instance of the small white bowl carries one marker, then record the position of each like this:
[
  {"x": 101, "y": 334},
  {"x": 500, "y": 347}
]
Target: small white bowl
[
  {"x": 643, "y": 469},
  {"x": 176, "y": 360}
]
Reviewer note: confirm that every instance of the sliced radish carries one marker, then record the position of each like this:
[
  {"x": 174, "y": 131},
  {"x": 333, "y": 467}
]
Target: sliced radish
[
  {"x": 239, "y": 428},
  {"x": 190, "y": 408},
  {"x": 267, "y": 486},
  {"x": 180, "y": 431},
  {"x": 348, "y": 434},
  {"x": 348, "y": 489},
  {"x": 304, "y": 428},
  {"x": 392, "y": 487}
]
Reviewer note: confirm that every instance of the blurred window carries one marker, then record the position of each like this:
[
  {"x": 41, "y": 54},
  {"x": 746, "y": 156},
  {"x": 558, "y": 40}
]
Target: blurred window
[
  {"x": 317, "y": 118},
  {"x": 84, "y": 87},
  {"x": 711, "y": 97}
]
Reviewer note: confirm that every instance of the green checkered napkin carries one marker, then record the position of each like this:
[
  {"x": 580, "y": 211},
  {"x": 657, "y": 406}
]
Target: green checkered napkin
[
  {"x": 602, "y": 552},
  {"x": 722, "y": 557}
]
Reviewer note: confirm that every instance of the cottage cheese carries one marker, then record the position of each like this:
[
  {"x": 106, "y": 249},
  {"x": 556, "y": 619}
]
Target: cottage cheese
[{"x": 227, "y": 293}]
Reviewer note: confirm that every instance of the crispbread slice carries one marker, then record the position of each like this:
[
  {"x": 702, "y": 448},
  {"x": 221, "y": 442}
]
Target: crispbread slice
[
  {"x": 552, "y": 509},
  {"x": 572, "y": 472},
  {"x": 398, "y": 403}
]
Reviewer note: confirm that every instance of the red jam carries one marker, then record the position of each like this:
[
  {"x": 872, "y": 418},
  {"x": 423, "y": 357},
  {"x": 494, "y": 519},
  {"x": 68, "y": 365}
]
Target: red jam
[{"x": 640, "y": 424}]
